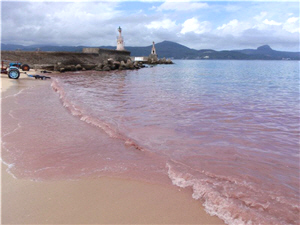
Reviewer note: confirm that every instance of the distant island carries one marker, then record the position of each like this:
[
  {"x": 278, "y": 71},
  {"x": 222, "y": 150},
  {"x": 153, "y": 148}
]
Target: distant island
[{"x": 174, "y": 50}]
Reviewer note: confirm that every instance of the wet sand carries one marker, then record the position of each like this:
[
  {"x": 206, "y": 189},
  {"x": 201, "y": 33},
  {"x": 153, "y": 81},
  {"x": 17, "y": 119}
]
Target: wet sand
[{"x": 94, "y": 200}]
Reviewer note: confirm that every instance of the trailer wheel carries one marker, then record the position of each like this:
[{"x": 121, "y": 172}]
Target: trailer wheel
[
  {"x": 25, "y": 67},
  {"x": 13, "y": 73}
]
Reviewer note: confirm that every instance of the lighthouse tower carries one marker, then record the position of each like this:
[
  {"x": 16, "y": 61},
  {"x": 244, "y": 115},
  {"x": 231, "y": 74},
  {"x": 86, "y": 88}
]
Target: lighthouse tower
[
  {"x": 153, "y": 50},
  {"x": 153, "y": 56},
  {"x": 120, "y": 42}
]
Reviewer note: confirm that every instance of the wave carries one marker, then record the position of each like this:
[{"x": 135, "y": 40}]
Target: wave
[
  {"x": 84, "y": 116},
  {"x": 234, "y": 201}
]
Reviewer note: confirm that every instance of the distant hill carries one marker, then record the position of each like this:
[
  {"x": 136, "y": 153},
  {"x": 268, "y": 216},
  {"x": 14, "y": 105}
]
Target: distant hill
[
  {"x": 174, "y": 50},
  {"x": 266, "y": 52}
]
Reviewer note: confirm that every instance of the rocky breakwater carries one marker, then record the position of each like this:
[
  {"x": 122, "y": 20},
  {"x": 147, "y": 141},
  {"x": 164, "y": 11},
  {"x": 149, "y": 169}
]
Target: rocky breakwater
[
  {"x": 106, "y": 65},
  {"x": 154, "y": 61}
]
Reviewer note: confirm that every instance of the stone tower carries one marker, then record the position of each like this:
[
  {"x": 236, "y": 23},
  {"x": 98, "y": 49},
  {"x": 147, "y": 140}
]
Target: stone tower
[
  {"x": 153, "y": 50},
  {"x": 153, "y": 56},
  {"x": 120, "y": 41}
]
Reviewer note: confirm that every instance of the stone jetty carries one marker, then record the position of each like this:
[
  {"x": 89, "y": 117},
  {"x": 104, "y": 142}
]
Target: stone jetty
[{"x": 105, "y": 65}]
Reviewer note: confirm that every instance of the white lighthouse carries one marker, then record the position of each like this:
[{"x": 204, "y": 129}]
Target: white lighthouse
[
  {"x": 153, "y": 55},
  {"x": 153, "y": 50},
  {"x": 120, "y": 41}
]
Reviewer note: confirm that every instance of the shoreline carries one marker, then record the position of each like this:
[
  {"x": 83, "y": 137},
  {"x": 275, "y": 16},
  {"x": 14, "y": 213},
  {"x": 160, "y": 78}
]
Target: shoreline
[{"x": 93, "y": 200}]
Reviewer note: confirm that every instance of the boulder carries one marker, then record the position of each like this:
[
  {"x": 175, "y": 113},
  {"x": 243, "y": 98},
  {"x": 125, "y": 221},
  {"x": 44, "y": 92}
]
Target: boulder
[
  {"x": 136, "y": 65},
  {"x": 89, "y": 66},
  {"x": 122, "y": 65},
  {"x": 78, "y": 67},
  {"x": 100, "y": 65},
  {"x": 73, "y": 68},
  {"x": 106, "y": 68},
  {"x": 68, "y": 68},
  {"x": 116, "y": 64},
  {"x": 169, "y": 61},
  {"x": 129, "y": 64},
  {"x": 105, "y": 62},
  {"x": 110, "y": 61}
]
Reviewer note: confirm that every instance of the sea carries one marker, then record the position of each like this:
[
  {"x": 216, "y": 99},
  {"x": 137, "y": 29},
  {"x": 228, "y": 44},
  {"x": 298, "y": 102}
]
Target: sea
[{"x": 226, "y": 130}]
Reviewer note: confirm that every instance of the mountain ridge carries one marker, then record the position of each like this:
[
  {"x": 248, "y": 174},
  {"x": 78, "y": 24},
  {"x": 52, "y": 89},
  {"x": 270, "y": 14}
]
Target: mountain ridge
[{"x": 175, "y": 50}]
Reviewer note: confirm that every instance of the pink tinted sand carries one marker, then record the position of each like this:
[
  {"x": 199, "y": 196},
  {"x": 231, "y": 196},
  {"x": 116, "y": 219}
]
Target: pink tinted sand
[{"x": 92, "y": 200}]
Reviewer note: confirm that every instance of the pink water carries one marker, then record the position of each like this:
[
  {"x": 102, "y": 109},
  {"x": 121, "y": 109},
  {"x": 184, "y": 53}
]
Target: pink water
[{"x": 227, "y": 129}]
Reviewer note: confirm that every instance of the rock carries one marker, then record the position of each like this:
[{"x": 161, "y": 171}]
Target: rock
[
  {"x": 110, "y": 61},
  {"x": 78, "y": 67},
  {"x": 100, "y": 65},
  {"x": 136, "y": 65},
  {"x": 105, "y": 63},
  {"x": 116, "y": 64},
  {"x": 89, "y": 66},
  {"x": 73, "y": 68},
  {"x": 129, "y": 64},
  {"x": 68, "y": 68},
  {"x": 168, "y": 61},
  {"x": 106, "y": 68},
  {"x": 122, "y": 65}
]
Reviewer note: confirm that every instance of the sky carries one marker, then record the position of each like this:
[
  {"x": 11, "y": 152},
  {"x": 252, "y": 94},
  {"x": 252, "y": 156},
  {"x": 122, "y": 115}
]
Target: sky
[{"x": 219, "y": 25}]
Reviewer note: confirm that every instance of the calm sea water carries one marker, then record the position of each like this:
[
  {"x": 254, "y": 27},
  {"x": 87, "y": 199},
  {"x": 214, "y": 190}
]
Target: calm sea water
[{"x": 227, "y": 129}]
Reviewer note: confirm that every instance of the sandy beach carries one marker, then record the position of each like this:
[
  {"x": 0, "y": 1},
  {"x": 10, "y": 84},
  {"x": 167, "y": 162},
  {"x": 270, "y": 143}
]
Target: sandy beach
[{"x": 92, "y": 200}]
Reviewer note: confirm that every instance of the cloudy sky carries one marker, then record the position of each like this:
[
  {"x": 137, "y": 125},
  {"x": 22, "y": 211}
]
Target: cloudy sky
[{"x": 217, "y": 25}]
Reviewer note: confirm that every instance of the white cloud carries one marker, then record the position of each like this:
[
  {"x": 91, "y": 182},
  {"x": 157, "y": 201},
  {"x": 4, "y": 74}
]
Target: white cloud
[
  {"x": 261, "y": 16},
  {"x": 198, "y": 25},
  {"x": 193, "y": 25},
  {"x": 271, "y": 22},
  {"x": 182, "y": 6},
  {"x": 165, "y": 24},
  {"x": 292, "y": 25},
  {"x": 234, "y": 27},
  {"x": 293, "y": 20}
]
